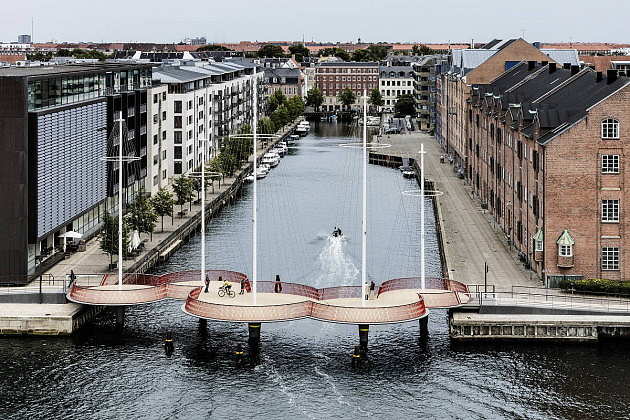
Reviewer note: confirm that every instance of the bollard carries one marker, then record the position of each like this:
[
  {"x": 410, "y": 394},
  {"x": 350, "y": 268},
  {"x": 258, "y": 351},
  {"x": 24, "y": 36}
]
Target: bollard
[
  {"x": 203, "y": 327},
  {"x": 364, "y": 330},
  {"x": 169, "y": 345}
]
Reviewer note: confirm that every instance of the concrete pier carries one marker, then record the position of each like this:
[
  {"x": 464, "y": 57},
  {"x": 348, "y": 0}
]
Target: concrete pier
[
  {"x": 465, "y": 326},
  {"x": 424, "y": 327},
  {"x": 254, "y": 334}
]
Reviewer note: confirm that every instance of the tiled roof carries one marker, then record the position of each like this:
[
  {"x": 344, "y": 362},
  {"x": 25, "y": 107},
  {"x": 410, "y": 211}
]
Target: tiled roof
[{"x": 602, "y": 62}]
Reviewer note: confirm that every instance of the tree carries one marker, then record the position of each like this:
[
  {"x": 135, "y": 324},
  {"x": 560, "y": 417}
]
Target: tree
[
  {"x": 142, "y": 216},
  {"x": 276, "y": 99},
  {"x": 405, "y": 105},
  {"x": 335, "y": 52},
  {"x": 163, "y": 204},
  {"x": 109, "y": 236},
  {"x": 295, "y": 106},
  {"x": 280, "y": 116},
  {"x": 271, "y": 51},
  {"x": 266, "y": 126},
  {"x": 314, "y": 98},
  {"x": 347, "y": 97},
  {"x": 183, "y": 189},
  {"x": 375, "y": 98},
  {"x": 39, "y": 56},
  {"x": 300, "y": 51},
  {"x": 421, "y": 50},
  {"x": 371, "y": 53},
  {"x": 213, "y": 47}
]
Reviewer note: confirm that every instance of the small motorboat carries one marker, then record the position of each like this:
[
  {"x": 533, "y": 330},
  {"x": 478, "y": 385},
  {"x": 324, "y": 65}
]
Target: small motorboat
[
  {"x": 336, "y": 233},
  {"x": 408, "y": 173},
  {"x": 293, "y": 138},
  {"x": 271, "y": 159},
  {"x": 249, "y": 178},
  {"x": 262, "y": 171}
]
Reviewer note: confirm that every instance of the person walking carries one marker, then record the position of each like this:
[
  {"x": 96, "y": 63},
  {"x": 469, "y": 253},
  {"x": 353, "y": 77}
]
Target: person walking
[
  {"x": 73, "y": 277},
  {"x": 207, "y": 284},
  {"x": 242, "y": 286},
  {"x": 277, "y": 287},
  {"x": 372, "y": 286}
]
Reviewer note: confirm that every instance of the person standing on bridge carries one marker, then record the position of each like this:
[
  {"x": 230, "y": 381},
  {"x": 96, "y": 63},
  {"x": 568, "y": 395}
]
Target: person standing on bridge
[
  {"x": 372, "y": 286},
  {"x": 73, "y": 277},
  {"x": 277, "y": 287},
  {"x": 207, "y": 284}
]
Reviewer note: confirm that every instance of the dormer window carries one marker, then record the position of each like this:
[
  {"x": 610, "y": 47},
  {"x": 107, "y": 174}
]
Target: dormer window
[
  {"x": 610, "y": 129},
  {"x": 539, "y": 241},
  {"x": 565, "y": 244}
]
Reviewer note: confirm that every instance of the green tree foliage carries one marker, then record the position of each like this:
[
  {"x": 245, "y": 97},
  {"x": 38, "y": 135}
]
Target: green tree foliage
[
  {"x": 213, "y": 47},
  {"x": 276, "y": 99},
  {"x": 271, "y": 51},
  {"x": 314, "y": 98},
  {"x": 347, "y": 97},
  {"x": 39, "y": 56},
  {"x": 375, "y": 97},
  {"x": 142, "y": 215},
  {"x": 163, "y": 204},
  {"x": 405, "y": 105},
  {"x": 266, "y": 126},
  {"x": 280, "y": 117},
  {"x": 335, "y": 52},
  {"x": 421, "y": 50},
  {"x": 183, "y": 189},
  {"x": 371, "y": 53},
  {"x": 109, "y": 236},
  {"x": 300, "y": 51},
  {"x": 295, "y": 107}
]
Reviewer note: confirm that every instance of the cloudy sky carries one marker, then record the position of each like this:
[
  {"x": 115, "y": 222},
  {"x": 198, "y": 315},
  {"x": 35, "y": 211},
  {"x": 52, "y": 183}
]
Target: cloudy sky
[{"x": 319, "y": 20}]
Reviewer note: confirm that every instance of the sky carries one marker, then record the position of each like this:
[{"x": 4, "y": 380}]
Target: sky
[{"x": 319, "y": 20}]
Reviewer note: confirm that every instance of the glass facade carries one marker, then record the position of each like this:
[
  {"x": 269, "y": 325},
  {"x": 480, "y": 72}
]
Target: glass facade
[{"x": 62, "y": 90}]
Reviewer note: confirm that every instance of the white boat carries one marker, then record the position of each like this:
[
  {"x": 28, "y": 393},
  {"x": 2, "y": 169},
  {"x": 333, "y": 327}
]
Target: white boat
[
  {"x": 272, "y": 159},
  {"x": 293, "y": 138},
  {"x": 373, "y": 121},
  {"x": 301, "y": 130},
  {"x": 408, "y": 173},
  {"x": 279, "y": 150},
  {"x": 249, "y": 178},
  {"x": 262, "y": 171}
]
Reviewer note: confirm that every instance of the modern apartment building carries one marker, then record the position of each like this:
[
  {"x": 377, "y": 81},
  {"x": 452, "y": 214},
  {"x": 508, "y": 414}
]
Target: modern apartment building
[
  {"x": 58, "y": 123},
  {"x": 205, "y": 103},
  {"x": 545, "y": 148},
  {"x": 425, "y": 73},
  {"x": 159, "y": 169},
  {"x": 334, "y": 76},
  {"x": 395, "y": 81}
]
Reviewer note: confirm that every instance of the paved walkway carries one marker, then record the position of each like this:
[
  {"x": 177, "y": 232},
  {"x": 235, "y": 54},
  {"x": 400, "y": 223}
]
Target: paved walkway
[{"x": 469, "y": 237}]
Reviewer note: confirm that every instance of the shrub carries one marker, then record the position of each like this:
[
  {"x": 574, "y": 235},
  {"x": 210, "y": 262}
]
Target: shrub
[{"x": 597, "y": 285}]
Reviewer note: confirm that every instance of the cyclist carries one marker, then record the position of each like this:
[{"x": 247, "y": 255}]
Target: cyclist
[{"x": 227, "y": 286}]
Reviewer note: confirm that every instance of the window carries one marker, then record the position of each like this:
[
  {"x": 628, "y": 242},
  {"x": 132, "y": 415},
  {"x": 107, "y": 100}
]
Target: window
[
  {"x": 178, "y": 107},
  {"x": 155, "y": 98},
  {"x": 178, "y": 168},
  {"x": 610, "y": 258},
  {"x": 164, "y": 135},
  {"x": 155, "y": 139},
  {"x": 610, "y": 210},
  {"x": 565, "y": 250},
  {"x": 163, "y": 173},
  {"x": 610, "y": 129},
  {"x": 163, "y": 96},
  {"x": 163, "y": 115},
  {"x": 610, "y": 164},
  {"x": 178, "y": 122},
  {"x": 177, "y": 137},
  {"x": 155, "y": 118}
]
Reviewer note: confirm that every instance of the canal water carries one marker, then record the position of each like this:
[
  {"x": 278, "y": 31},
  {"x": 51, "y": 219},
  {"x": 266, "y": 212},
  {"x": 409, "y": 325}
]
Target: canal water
[{"x": 304, "y": 370}]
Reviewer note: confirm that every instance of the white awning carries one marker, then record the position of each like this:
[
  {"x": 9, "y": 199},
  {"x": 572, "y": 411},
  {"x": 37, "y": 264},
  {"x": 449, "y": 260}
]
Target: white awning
[{"x": 71, "y": 234}]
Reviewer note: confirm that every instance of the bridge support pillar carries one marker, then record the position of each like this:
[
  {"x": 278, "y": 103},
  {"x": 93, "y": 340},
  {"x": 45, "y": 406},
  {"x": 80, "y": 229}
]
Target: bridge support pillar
[
  {"x": 424, "y": 327},
  {"x": 203, "y": 327},
  {"x": 120, "y": 317},
  {"x": 364, "y": 330},
  {"x": 254, "y": 335}
]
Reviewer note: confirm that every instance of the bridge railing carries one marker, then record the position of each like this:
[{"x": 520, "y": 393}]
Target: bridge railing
[{"x": 550, "y": 301}]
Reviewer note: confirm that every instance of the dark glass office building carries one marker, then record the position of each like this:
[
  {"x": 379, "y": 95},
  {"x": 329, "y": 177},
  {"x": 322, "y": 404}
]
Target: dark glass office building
[{"x": 55, "y": 128}]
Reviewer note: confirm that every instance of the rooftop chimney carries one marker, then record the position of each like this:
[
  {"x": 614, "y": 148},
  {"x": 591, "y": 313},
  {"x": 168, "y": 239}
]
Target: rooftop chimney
[
  {"x": 531, "y": 65},
  {"x": 600, "y": 76},
  {"x": 611, "y": 76},
  {"x": 566, "y": 66},
  {"x": 575, "y": 70},
  {"x": 552, "y": 67},
  {"x": 544, "y": 63}
]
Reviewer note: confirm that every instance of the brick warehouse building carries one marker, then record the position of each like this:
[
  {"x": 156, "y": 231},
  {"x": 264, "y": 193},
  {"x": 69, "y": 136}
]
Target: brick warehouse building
[
  {"x": 334, "y": 76},
  {"x": 546, "y": 148}
]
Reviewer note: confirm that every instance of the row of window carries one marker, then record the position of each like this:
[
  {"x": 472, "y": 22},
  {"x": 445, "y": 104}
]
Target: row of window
[
  {"x": 397, "y": 92},
  {"x": 346, "y": 70},
  {"x": 396, "y": 83},
  {"x": 609, "y": 256},
  {"x": 349, "y": 79}
]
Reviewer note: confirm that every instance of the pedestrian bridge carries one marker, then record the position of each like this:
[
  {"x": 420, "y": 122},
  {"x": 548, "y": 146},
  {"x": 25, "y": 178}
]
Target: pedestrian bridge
[{"x": 393, "y": 301}]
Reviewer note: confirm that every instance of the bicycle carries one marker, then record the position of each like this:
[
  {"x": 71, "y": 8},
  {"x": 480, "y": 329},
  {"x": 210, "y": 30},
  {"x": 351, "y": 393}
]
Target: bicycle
[{"x": 226, "y": 291}]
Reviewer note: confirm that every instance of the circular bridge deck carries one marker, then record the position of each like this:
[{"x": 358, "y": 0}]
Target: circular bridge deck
[{"x": 394, "y": 301}]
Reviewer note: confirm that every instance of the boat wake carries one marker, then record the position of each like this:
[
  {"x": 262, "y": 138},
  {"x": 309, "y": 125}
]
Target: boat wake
[{"x": 334, "y": 264}]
